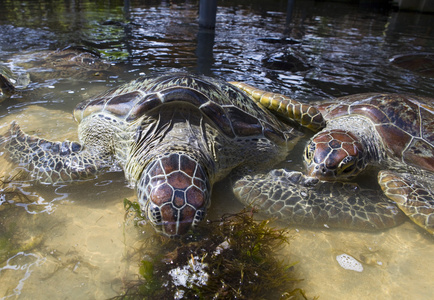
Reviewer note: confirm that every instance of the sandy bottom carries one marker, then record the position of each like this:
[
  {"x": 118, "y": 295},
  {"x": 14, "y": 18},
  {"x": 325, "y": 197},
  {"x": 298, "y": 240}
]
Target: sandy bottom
[{"x": 86, "y": 249}]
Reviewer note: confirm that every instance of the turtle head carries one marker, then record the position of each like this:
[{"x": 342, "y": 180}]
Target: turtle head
[
  {"x": 335, "y": 155},
  {"x": 174, "y": 192}
]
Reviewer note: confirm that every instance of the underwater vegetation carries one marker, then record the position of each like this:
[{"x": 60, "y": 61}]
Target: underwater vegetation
[
  {"x": 10, "y": 195},
  {"x": 10, "y": 244},
  {"x": 235, "y": 257}
]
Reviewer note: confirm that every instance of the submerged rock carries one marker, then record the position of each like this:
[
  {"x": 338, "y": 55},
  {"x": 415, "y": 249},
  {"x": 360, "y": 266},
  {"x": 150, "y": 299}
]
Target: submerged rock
[
  {"x": 419, "y": 63},
  {"x": 349, "y": 263},
  {"x": 287, "y": 60}
]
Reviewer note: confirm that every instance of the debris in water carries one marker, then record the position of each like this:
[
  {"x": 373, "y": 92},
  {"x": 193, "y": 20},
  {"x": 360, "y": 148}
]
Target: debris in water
[{"x": 349, "y": 263}]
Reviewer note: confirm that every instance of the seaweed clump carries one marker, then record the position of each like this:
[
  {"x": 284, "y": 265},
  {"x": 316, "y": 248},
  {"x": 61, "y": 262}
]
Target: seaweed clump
[
  {"x": 9, "y": 194},
  {"x": 235, "y": 257},
  {"x": 12, "y": 240}
]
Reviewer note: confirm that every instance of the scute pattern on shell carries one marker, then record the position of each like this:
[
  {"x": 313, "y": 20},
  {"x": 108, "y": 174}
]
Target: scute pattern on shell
[
  {"x": 234, "y": 115},
  {"x": 404, "y": 123}
]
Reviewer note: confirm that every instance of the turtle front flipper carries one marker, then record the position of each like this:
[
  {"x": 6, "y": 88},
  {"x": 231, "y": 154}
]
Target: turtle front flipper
[
  {"x": 51, "y": 162},
  {"x": 303, "y": 114},
  {"x": 411, "y": 195},
  {"x": 303, "y": 200}
]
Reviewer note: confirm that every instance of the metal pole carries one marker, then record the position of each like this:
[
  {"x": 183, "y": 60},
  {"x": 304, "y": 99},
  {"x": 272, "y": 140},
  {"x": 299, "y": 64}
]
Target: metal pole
[
  {"x": 289, "y": 11},
  {"x": 204, "y": 50},
  {"x": 207, "y": 13}
]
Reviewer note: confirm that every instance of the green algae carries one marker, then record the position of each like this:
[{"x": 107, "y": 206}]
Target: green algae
[
  {"x": 235, "y": 257},
  {"x": 12, "y": 240},
  {"x": 10, "y": 195}
]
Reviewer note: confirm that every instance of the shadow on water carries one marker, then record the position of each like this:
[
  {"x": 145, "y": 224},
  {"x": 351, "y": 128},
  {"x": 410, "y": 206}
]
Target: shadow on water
[{"x": 308, "y": 50}]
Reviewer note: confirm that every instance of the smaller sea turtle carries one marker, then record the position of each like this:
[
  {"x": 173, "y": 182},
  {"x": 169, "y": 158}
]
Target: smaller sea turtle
[
  {"x": 70, "y": 62},
  {"x": 174, "y": 136},
  {"x": 7, "y": 83},
  {"x": 392, "y": 132},
  {"x": 419, "y": 63}
]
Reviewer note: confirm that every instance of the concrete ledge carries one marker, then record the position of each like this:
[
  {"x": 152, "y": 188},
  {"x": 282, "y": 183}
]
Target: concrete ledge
[{"x": 416, "y": 5}]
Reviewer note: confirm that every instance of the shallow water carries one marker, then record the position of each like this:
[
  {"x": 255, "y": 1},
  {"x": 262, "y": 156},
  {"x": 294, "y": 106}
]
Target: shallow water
[{"x": 81, "y": 245}]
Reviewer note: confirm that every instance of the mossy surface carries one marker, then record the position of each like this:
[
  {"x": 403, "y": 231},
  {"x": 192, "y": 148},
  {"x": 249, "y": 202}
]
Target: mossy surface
[
  {"x": 9, "y": 194},
  {"x": 235, "y": 257},
  {"x": 12, "y": 237}
]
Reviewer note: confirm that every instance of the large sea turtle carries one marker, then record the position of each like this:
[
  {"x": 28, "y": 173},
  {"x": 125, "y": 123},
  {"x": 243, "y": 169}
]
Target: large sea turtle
[
  {"x": 174, "y": 136},
  {"x": 390, "y": 132}
]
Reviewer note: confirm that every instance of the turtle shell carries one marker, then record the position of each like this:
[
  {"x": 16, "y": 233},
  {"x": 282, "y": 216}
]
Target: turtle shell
[
  {"x": 230, "y": 110},
  {"x": 405, "y": 123}
]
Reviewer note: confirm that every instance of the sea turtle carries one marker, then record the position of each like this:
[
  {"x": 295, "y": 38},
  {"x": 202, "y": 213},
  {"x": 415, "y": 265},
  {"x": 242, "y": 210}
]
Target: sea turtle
[
  {"x": 7, "y": 83},
  {"x": 174, "y": 136},
  {"x": 390, "y": 132},
  {"x": 418, "y": 63},
  {"x": 66, "y": 63}
]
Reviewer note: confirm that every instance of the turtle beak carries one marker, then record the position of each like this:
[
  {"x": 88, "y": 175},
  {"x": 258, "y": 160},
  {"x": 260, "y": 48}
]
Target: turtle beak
[
  {"x": 174, "y": 222},
  {"x": 174, "y": 192}
]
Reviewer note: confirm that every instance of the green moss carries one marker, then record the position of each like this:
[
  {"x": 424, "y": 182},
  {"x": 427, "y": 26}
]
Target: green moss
[
  {"x": 10, "y": 194},
  {"x": 12, "y": 240},
  {"x": 11, "y": 245},
  {"x": 234, "y": 257},
  {"x": 114, "y": 54}
]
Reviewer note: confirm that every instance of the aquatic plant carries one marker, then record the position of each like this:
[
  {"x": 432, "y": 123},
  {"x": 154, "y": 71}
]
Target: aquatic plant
[
  {"x": 12, "y": 240},
  {"x": 9, "y": 194},
  {"x": 233, "y": 257}
]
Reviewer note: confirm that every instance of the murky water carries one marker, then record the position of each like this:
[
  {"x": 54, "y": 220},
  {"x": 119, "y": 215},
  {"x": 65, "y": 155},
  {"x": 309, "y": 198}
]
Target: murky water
[{"x": 81, "y": 245}]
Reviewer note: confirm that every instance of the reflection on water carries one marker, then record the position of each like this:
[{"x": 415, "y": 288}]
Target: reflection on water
[{"x": 325, "y": 49}]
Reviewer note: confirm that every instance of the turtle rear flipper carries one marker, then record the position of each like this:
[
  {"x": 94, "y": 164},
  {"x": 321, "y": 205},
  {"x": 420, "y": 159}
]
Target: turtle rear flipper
[
  {"x": 303, "y": 200},
  {"x": 411, "y": 195},
  {"x": 52, "y": 162},
  {"x": 304, "y": 114}
]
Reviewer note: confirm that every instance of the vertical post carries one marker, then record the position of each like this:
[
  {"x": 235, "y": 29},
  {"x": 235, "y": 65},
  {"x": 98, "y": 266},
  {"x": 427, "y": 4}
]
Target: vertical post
[
  {"x": 127, "y": 29},
  {"x": 207, "y": 13},
  {"x": 204, "y": 50},
  {"x": 289, "y": 11},
  {"x": 127, "y": 9}
]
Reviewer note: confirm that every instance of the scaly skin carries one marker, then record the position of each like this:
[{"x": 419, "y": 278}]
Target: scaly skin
[
  {"x": 304, "y": 114},
  {"x": 301, "y": 200},
  {"x": 386, "y": 130},
  {"x": 413, "y": 194},
  {"x": 173, "y": 183},
  {"x": 55, "y": 161},
  {"x": 175, "y": 136}
]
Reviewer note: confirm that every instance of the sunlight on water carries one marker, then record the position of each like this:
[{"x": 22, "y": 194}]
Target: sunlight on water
[
  {"x": 23, "y": 263},
  {"x": 73, "y": 241}
]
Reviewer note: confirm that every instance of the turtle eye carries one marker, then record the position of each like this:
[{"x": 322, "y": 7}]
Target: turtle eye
[
  {"x": 308, "y": 152},
  {"x": 348, "y": 169},
  {"x": 347, "y": 165}
]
